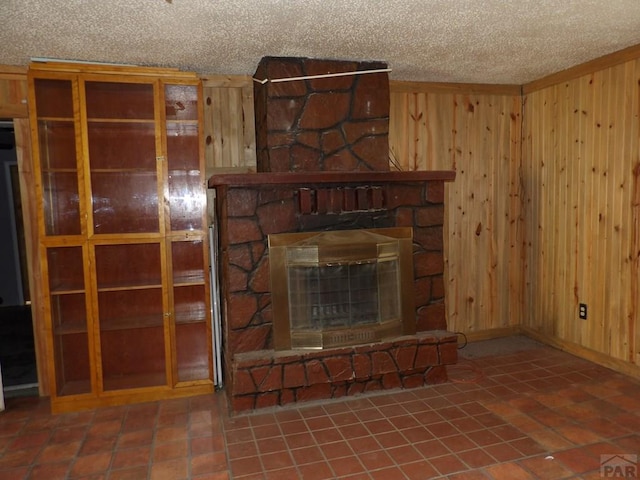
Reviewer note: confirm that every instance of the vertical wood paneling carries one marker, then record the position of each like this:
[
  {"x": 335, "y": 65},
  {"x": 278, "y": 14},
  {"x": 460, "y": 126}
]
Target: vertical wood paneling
[
  {"x": 229, "y": 129},
  {"x": 580, "y": 158},
  {"x": 13, "y": 92},
  {"x": 478, "y": 135}
]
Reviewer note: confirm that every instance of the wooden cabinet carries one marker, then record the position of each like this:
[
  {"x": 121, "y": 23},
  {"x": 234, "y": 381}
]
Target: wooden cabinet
[{"x": 122, "y": 229}]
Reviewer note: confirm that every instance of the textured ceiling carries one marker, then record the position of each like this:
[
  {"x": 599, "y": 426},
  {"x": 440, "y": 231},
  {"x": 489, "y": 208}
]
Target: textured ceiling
[{"x": 469, "y": 41}]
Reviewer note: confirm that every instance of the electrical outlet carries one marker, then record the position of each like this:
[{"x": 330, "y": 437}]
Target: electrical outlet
[{"x": 582, "y": 311}]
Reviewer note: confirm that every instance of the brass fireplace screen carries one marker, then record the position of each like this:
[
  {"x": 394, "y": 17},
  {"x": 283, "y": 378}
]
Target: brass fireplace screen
[{"x": 339, "y": 288}]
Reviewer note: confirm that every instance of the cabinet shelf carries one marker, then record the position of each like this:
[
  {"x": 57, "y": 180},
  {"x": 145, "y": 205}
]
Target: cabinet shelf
[
  {"x": 55, "y": 119},
  {"x": 121, "y": 120},
  {"x": 120, "y": 288},
  {"x": 150, "y": 321},
  {"x": 69, "y": 330},
  {"x": 66, "y": 291},
  {"x": 187, "y": 280},
  {"x": 185, "y": 319}
]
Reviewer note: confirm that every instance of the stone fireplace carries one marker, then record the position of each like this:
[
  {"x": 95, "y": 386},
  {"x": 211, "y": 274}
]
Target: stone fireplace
[{"x": 323, "y": 168}]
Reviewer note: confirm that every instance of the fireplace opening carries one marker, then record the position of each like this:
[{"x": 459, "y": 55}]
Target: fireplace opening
[{"x": 340, "y": 288}]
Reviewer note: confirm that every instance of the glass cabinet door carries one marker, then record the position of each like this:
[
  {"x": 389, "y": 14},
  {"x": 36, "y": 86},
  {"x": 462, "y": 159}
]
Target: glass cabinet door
[
  {"x": 68, "y": 304},
  {"x": 57, "y": 157},
  {"x": 122, "y": 157},
  {"x": 192, "y": 334},
  {"x": 131, "y": 315},
  {"x": 187, "y": 194}
]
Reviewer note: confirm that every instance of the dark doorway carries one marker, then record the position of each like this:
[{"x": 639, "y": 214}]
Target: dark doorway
[{"x": 17, "y": 348}]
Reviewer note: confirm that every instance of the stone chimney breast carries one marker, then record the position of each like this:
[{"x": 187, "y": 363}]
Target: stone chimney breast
[{"x": 316, "y": 124}]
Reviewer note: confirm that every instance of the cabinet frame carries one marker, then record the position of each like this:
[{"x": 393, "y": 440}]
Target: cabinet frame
[{"x": 89, "y": 240}]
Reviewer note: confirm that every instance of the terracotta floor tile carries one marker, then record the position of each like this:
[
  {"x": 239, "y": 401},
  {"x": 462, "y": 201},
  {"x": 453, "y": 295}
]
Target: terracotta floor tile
[
  {"x": 356, "y": 430},
  {"x": 417, "y": 434},
  {"x": 291, "y": 427},
  {"x": 304, "y": 455},
  {"x": 431, "y": 448},
  {"x": 170, "y": 450},
  {"x": 550, "y": 440},
  {"x": 448, "y": 464},
  {"x": 316, "y": 471},
  {"x": 135, "y": 439},
  {"x": 49, "y": 471},
  {"x": 18, "y": 458},
  {"x": 290, "y": 473},
  {"x": 422, "y": 470},
  {"x": 132, "y": 457},
  {"x": 546, "y": 467},
  {"x": 476, "y": 458},
  {"x": 300, "y": 440},
  {"x": 527, "y": 446},
  {"x": 404, "y": 454},
  {"x": 176, "y": 469},
  {"x": 90, "y": 465},
  {"x": 58, "y": 452},
  {"x": 391, "y": 439},
  {"x": 276, "y": 461},
  {"x": 579, "y": 460},
  {"x": 379, "y": 426},
  {"x": 483, "y": 438},
  {"x": 503, "y": 452},
  {"x": 245, "y": 466},
  {"x": 207, "y": 444},
  {"x": 241, "y": 450},
  {"x": 28, "y": 440},
  {"x": 375, "y": 460},
  {"x": 208, "y": 463},
  {"x": 105, "y": 429},
  {"x": 364, "y": 444},
  {"x": 336, "y": 450},
  {"x": 577, "y": 435},
  {"x": 19, "y": 473},
  {"x": 328, "y": 435},
  {"x": 345, "y": 418},
  {"x": 271, "y": 445},
  {"x": 442, "y": 429},
  {"x": 135, "y": 473},
  {"x": 629, "y": 443},
  {"x": 509, "y": 471},
  {"x": 170, "y": 434},
  {"x": 346, "y": 466},
  {"x": 468, "y": 476},
  {"x": 319, "y": 423}
]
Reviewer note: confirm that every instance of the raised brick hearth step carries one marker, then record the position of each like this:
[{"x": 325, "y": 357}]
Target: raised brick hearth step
[{"x": 268, "y": 378}]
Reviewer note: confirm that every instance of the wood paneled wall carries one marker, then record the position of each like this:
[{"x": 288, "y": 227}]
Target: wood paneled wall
[
  {"x": 229, "y": 127},
  {"x": 476, "y": 132},
  {"x": 580, "y": 172},
  {"x": 13, "y": 92}
]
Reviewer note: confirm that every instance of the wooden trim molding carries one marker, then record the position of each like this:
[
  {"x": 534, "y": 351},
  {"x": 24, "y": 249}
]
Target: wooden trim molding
[
  {"x": 599, "y": 358},
  {"x": 396, "y": 86},
  {"x": 606, "y": 61}
]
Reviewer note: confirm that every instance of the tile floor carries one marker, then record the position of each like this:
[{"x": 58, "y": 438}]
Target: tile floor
[{"x": 514, "y": 409}]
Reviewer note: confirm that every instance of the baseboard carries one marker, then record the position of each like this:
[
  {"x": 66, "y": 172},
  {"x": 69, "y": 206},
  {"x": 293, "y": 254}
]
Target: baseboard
[
  {"x": 489, "y": 334},
  {"x": 599, "y": 358}
]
